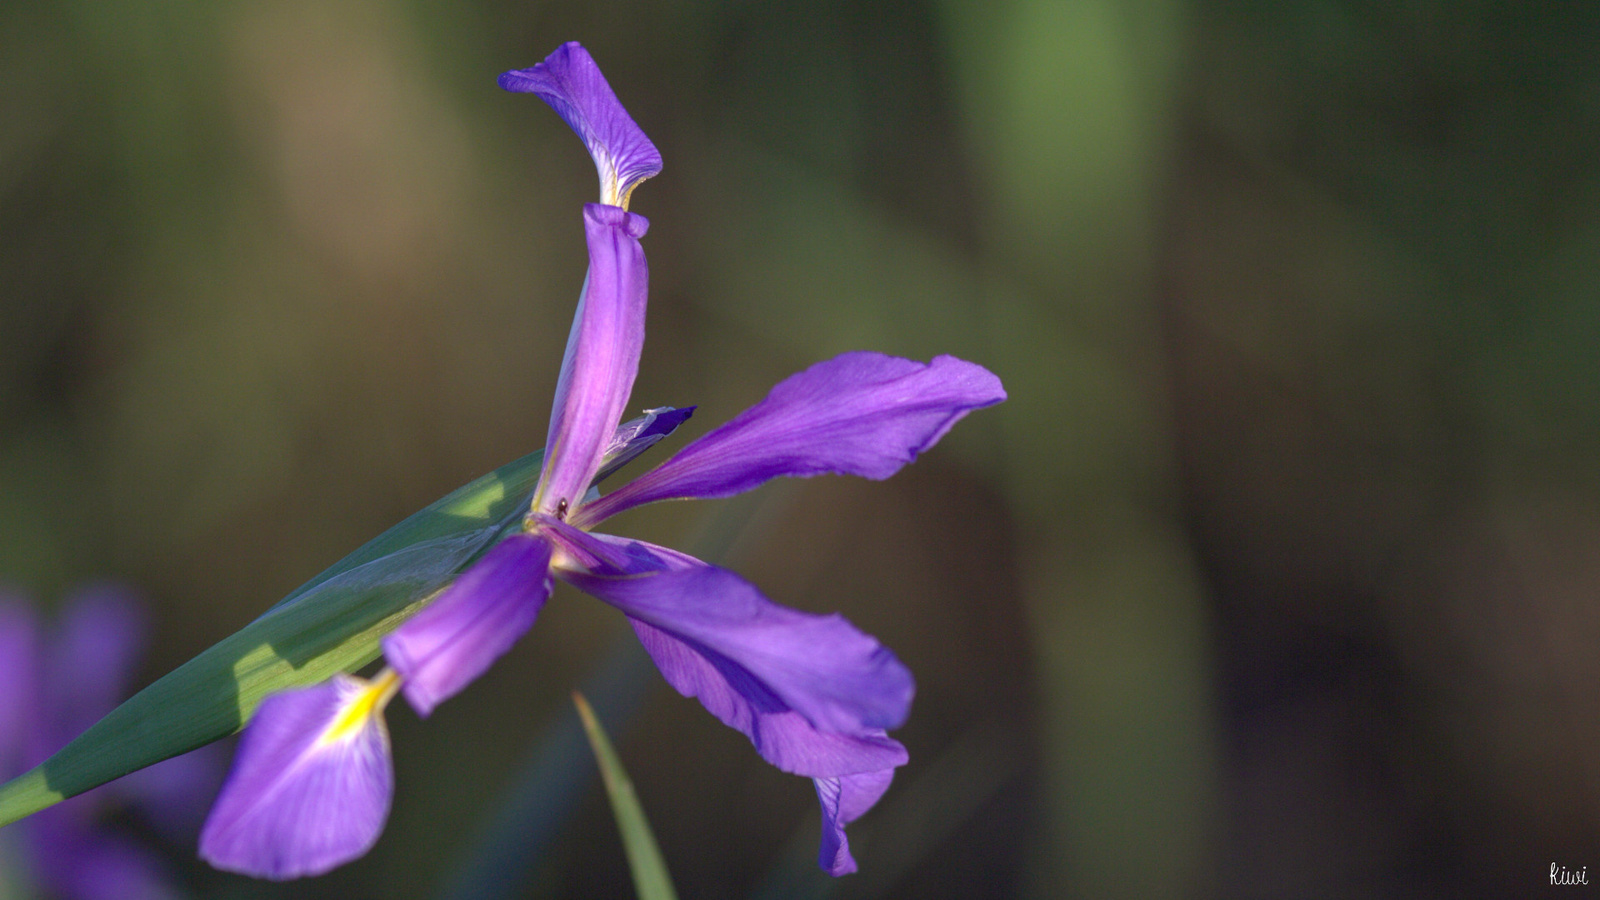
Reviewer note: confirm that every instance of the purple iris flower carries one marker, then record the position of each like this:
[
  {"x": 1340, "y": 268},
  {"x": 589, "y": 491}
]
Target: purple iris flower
[
  {"x": 53, "y": 686},
  {"x": 311, "y": 784}
]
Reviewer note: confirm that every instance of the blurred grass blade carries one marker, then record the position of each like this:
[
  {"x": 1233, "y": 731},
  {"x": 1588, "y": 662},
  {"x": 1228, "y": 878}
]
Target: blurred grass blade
[
  {"x": 515, "y": 839},
  {"x": 650, "y": 876},
  {"x": 332, "y": 623}
]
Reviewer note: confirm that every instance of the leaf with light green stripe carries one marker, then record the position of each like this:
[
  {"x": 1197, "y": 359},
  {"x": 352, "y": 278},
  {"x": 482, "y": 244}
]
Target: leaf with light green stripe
[
  {"x": 650, "y": 878},
  {"x": 332, "y": 623}
]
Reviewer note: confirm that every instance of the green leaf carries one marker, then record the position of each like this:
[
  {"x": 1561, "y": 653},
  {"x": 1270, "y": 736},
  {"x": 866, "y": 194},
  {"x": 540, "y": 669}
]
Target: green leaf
[
  {"x": 650, "y": 876},
  {"x": 332, "y": 623}
]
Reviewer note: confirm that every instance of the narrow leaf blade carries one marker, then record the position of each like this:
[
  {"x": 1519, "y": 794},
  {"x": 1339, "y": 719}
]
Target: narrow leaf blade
[
  {"x": 650, "y": 876},
  {"x": 332, "y": 623}
]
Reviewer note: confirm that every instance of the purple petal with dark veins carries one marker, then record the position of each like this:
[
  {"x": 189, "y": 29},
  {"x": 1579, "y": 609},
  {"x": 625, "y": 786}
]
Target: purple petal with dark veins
[
  {"x": 845, "y": 799},
  {"x": 571, "y": 83},
  {"x": 310, "y": 785},
  {"x": 857, "y": 414},
  {"x": 812, "y": 693},
  {"x": 454, "y": 639},
  {"x": 601, "y": 360}
]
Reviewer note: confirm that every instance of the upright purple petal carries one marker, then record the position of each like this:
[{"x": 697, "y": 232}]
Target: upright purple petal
[
  {"x": 601, "y": 361},
  {"x": 571, "y": 83},
  {"x": 857, "y": 414},
  {"x": 310, "y": 785},
  {"x": 812, "y": 693},
  {"x": 474, "y": 622},
  {"x": 845, "y": 799}
]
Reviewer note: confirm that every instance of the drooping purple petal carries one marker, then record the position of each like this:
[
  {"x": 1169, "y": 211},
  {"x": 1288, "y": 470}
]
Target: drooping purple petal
[
  {"x": 635, "y": 436},
  {"x": 845, "y": 799},
  {"x": 310, "y": 785},
  {"x": 19, "y": 673},
  {"x": 474, "y": 622},
  {"x": 571, "y": 83},
  {"x": 601, "y": 360},
  {"x": 857, "y": 414},
  {"x": 812, "y": 693},
  {"x": 783, "y": 737}
]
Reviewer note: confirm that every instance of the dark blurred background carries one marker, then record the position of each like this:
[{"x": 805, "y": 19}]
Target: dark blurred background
[{"x": 1277, "y": 576}]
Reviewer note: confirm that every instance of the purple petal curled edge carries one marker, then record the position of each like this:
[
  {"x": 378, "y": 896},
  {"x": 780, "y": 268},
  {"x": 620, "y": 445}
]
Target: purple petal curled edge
[
  {"x": 571, "y": 83},
  {"x": 601, "y": 360},
  {"x": 857, "y": 414},
  {"x": 638, "y": 435},
  {"x": 811, "y": 692},
  {"x": 844, "y": 800},
  {"x": 474, "y": 622},
  {"x": 310, "y": 785}
]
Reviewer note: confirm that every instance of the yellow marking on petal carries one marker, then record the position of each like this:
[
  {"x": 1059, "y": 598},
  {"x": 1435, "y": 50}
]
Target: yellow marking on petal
[
  {"x": 610, "y": 185},
  {"x": 362, "y": 707}
]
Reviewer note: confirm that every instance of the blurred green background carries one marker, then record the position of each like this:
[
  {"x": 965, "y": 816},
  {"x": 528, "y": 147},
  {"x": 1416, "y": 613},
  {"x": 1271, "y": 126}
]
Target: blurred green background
[{"x": 1277, "y": 576}]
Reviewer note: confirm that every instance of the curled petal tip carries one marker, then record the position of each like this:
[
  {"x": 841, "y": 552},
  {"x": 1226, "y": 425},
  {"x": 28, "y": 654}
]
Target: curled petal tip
[
  {"x": 638, "y": 435},
  {"x": 845, "y": 799},
  {"x": 571, "y": 83}
]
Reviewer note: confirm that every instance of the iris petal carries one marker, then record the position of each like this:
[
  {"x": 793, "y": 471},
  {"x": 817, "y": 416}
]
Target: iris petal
[
  {"x": 601, "y": 359},
  {"x": 638, "y": 435},
  {"x": 474, "y": 622},
  {"x": 857, "y": 414},
  {"x": 784, "y": 738},
  {"x": 571, "y": 83},
  {"x": 310, "y": 785},
  {"x": 845, "y": 799},
  {"x": 813, "y": 693}
]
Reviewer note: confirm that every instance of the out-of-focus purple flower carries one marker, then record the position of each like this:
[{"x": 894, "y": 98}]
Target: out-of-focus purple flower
[
  {"x": 814, "y": 695},
  {"x": 53, "y": 685}
]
